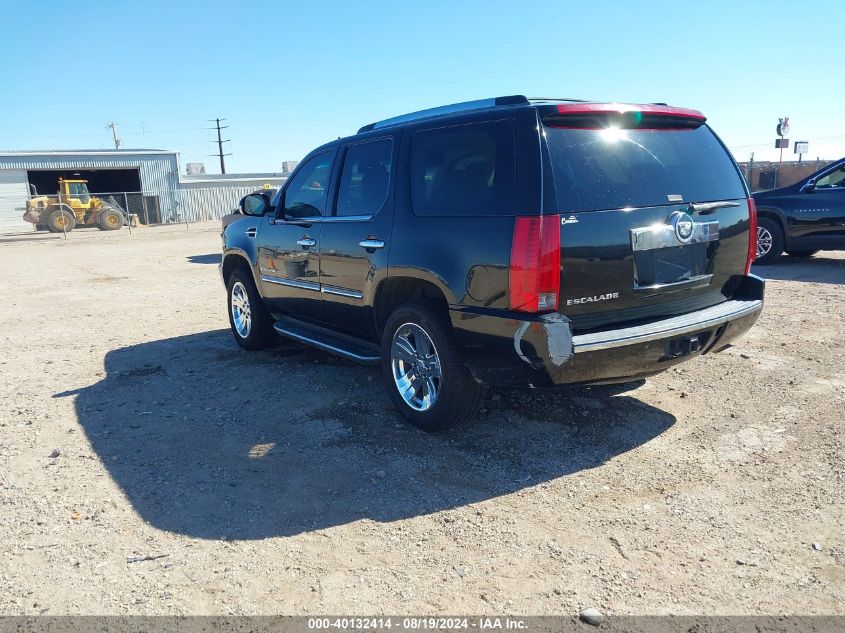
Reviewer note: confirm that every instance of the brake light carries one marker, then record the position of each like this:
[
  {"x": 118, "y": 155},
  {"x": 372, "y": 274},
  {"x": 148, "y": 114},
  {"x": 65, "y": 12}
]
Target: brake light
[
  {"x": 601, "y": 116},
  {"x": 624, "y": 108},
  {"x": 534, "y": 273},
  {"x": 752, "y": 235}
]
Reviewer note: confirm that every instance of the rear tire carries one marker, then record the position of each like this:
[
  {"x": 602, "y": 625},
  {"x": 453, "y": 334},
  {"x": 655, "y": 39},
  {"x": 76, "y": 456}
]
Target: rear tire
[
  {"x": 423, "y": 370},
  {"x": 110, "y": 219},
  {"x": 252, "y": 325},
  {"x": 769, "y": 241},
  {"x": 802, "y": 254},
  {"x": 60, "y": 221}
]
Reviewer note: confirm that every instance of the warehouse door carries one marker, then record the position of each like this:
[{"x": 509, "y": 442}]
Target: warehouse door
[{"x": 46, "y": 181}]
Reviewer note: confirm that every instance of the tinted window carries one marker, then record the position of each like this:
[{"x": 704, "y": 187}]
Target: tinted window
[
  {"x": 464, "y": 170},
  {"x": 365, "y": 178},
  {"x": 833, "y": 179},
  {"x": 616, "y": 168},
  {"x": 305, "y": 196}
]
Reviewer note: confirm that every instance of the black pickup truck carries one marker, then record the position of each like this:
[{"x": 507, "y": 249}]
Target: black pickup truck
[
  {"x": 507, "y": 241},
  {"x": 803, "y": 218}
]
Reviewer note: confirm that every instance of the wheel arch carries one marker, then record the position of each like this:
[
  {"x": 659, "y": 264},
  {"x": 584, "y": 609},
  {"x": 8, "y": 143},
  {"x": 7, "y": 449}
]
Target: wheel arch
[
  {"x": 393, "y": 291},
  {"x": 774, "y": 213},
  {"x": 234, "y": 260}
]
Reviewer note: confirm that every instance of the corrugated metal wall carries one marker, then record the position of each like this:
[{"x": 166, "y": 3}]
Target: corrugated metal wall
[
  {"x": 13, "y": 195},
  {"x": 209, "y": 204},
  {"x": 159, "y": 172}
]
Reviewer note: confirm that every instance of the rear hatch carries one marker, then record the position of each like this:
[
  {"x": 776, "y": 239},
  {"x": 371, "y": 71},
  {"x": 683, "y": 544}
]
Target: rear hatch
[{"x": 654, "y": 212}]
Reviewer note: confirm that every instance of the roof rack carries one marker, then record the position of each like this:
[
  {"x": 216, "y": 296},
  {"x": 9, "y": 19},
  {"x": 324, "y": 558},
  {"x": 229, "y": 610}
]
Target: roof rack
[{"x": 447, "y": 109}]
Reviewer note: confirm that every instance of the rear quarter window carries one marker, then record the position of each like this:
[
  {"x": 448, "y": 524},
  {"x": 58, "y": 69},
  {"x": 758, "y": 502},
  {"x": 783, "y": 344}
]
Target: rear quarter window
[
  {"x": 464, "y": 170},
  {"x": 617, "y": 168}
]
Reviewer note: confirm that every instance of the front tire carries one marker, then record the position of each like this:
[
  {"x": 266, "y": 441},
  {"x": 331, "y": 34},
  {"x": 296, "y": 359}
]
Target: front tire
[
  {"x": 423, "y": 369},
  {"x": 60, "y": 220},
  {"x": 252, "y": 325},
  {"x": 769, "y": 241}
]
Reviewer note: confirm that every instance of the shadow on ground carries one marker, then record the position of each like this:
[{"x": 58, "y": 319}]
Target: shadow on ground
[
  {"x": 819, "y": 269},
  {"x": 211, "y": 258},
  {"x": 213, "y": 442}
]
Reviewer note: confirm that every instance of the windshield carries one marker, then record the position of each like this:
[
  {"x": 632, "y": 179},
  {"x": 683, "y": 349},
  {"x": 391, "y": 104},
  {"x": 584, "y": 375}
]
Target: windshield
[
  {"x": 78, "y": 190},
  {"x": 614, "y": 168}
]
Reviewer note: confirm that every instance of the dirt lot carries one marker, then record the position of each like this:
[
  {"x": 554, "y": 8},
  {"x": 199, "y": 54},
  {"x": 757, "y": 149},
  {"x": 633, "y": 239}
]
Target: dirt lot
[{"x": 283, "y": 482}]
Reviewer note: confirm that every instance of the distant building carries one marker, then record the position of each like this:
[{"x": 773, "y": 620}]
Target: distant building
[
  {"x": 192, "y": 169},
  {"x": 143, "y": 182},
  {"x": 289, "y": 165}
]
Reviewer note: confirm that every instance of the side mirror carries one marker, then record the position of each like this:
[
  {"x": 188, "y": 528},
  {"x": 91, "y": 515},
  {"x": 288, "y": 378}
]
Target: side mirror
[
  {"x": 810, "y": 185},
  {"x": 255, "y": 204}
]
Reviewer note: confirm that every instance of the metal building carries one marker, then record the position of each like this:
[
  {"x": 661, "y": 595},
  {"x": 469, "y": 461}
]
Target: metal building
[{"x": 144, "y": 182}]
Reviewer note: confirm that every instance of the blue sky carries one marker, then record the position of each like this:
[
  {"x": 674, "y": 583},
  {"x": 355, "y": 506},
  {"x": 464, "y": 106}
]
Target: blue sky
[{"x": 289, "y": 76}]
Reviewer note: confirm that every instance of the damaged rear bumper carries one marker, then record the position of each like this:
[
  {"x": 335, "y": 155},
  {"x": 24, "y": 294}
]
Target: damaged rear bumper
[{"x": 542, "y": 350}]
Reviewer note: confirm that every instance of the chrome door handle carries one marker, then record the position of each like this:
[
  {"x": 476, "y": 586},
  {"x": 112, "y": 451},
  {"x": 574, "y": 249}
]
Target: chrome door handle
[
  {"x": 368, "y": 244},
  {"x": 306, "y": 242}
]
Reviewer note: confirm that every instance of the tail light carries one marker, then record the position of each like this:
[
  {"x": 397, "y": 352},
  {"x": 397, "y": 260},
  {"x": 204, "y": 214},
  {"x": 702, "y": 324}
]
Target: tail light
[
  {"x": 752, "y": 235},
  {"x": 535, "y": 264}
]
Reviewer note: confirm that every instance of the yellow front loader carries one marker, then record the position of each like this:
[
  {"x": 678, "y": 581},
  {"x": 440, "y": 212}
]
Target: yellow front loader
[{"x": 73, "y": 206}]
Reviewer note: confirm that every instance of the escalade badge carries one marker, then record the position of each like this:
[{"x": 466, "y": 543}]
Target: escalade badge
[{"x": 684, "y": 225}]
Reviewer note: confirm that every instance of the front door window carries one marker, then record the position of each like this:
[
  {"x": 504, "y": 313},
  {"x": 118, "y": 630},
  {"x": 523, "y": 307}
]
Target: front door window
[{"x": 305, "y": 196}]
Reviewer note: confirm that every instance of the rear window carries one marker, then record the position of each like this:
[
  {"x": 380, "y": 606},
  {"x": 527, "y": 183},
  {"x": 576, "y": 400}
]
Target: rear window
[
  {"x": 615, "y": 168},
  {"x": 464, "y": 170}
]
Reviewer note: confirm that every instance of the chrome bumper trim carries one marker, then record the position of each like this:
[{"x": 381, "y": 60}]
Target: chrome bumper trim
[{"x": 667, "y": 328}]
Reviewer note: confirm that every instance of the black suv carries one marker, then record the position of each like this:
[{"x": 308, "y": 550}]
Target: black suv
[
  {"x": 507, "y": 241},
  {"x": 804, "y": 218}
]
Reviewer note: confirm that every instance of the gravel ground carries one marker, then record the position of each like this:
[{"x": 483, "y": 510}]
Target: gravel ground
[{"x": 149, "y": 466}]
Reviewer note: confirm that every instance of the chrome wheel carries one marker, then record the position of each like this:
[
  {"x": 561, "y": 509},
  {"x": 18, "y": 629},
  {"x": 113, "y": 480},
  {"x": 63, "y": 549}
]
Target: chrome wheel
[
  {"x": 241, "y": 314},
  {"x": 416, "y": 367},
  {"x": 764, "y": 241}
]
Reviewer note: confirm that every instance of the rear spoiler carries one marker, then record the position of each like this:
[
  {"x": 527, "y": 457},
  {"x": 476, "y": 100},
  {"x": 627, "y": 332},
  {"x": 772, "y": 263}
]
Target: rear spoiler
[{"x": 597, "y": 116}]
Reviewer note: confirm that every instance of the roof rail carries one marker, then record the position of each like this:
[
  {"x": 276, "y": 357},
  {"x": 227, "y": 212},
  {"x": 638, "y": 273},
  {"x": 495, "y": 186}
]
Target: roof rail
[
  {"x": 447, "y": 109},
  {"x": 555, "y": 99}
]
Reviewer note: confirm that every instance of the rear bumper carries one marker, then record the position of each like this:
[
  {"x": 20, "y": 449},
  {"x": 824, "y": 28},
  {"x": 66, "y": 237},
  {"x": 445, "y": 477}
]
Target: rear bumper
[{"x": 543, "y": 351}]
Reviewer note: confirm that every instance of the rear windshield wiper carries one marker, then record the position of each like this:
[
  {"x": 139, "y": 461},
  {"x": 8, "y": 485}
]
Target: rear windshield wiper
[{"x": 703, "y": 208}]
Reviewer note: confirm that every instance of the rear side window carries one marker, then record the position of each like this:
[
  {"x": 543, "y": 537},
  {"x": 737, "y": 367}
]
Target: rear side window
[
  {"x": 614, "y": 168},
  {"x": 365, "y": 178},
  {"x": 464, "y": 170}
]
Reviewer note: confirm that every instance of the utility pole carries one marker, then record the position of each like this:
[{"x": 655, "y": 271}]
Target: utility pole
[
  {"x": 220, "y": 142},
  {"x": 117, "y": 142}
]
